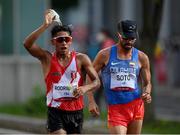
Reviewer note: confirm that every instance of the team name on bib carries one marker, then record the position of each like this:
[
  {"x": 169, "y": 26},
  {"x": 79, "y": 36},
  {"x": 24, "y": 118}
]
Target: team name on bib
[
  {"x": 123, "y": 78},
  {"x": 63, "y": 91}
]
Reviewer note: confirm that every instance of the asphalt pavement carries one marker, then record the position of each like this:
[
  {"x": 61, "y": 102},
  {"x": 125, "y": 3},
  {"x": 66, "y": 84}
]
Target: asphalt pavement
[{"x": 11, "y": 131}]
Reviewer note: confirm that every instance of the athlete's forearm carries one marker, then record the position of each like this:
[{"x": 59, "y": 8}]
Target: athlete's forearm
[
  {"x": 93, "y": 85},
  {"x": 147, "y": 88},
  {"x": 29, "y": 41},
  {"x": 90, "y": 96},
  {"x": 90, "y": 93}
]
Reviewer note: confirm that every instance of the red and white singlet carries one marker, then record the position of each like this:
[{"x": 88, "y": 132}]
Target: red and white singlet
[{"x": 60, "y": 83}]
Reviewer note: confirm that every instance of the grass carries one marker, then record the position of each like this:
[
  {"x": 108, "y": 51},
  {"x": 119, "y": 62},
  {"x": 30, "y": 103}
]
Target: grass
[
  {"x": 33, "y": 107},
  {"x": 161, "y": 127}
]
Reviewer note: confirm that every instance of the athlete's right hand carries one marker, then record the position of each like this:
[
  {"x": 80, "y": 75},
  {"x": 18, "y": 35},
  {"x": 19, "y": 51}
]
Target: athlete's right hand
[
  {"x": 93, "y": 109},
  {"x": 146, "y": 97},
  {"x": 48, "y": 17}
]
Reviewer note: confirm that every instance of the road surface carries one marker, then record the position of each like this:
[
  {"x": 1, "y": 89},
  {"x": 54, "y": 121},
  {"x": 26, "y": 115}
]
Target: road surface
[{"x": 10, "y": 131}]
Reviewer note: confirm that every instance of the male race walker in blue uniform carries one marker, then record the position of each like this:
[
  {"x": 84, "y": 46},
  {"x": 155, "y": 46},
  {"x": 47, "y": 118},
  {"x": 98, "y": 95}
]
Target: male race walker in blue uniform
[{"x": 122, "y": 67}]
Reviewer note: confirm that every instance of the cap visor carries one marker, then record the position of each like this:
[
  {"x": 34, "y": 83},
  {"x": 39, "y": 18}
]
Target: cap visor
[{"x": 130, "y": 35}]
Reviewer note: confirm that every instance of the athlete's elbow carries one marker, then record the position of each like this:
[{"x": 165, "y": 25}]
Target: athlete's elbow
[{"x": 25, "y": 44}]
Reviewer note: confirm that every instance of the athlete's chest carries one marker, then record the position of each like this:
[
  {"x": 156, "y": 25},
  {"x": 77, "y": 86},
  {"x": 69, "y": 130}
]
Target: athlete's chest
[{"x": 128, "y": 66}]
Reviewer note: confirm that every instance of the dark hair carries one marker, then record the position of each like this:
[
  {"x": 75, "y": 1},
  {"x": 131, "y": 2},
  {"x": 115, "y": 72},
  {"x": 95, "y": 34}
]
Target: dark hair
[{"x": 58, "y": 28}]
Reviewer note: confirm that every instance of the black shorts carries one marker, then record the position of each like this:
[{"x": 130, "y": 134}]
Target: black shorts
[{"x": 70, "y": 121}]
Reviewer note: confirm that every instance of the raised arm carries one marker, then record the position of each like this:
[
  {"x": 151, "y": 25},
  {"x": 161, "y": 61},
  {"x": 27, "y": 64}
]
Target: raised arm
[
  {"x": 29, "y": 42},
  {"x": 146, "y": 77}
]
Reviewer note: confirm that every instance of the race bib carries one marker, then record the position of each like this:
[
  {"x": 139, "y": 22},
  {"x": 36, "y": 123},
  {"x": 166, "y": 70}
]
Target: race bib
[
  {"x": 63, "y": 91},
  {"x": 123, "y": 81}
]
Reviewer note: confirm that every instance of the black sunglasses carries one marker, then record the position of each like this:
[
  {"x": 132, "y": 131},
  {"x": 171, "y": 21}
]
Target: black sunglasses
[
  {"x": 127, "y": 39},
  {"x": 62, "y": 39}
]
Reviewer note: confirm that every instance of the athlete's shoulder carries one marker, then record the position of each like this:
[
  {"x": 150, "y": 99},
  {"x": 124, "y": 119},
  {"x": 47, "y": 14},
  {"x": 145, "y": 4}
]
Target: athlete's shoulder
[
  {"x": 103, "y": 56},
  {"x": 142, "y": 54},
  {"x": 143, "y": 57},
  {"x": 82, "y": 58},
  {"x": 81, "y": 55},
  {"x": 106, "y": 51}
]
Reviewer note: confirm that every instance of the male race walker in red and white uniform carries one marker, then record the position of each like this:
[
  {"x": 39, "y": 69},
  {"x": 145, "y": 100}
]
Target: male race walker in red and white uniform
[{"x": 64, "y": 72}]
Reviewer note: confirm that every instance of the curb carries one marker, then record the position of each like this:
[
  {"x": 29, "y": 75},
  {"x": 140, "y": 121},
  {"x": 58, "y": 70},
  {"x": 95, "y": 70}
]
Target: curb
[{"x": 26, "y": 124}]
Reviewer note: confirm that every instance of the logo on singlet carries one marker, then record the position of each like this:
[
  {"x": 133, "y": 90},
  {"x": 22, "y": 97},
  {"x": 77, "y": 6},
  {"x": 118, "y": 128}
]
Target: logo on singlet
[{"x": 115, "y": 63}]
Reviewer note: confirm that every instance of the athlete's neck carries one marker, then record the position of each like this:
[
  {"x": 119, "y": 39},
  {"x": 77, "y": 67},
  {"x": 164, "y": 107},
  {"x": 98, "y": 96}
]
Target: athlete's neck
[
  {"x": 123, "y": 53},
  {"x": 63, "y": 56}
]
